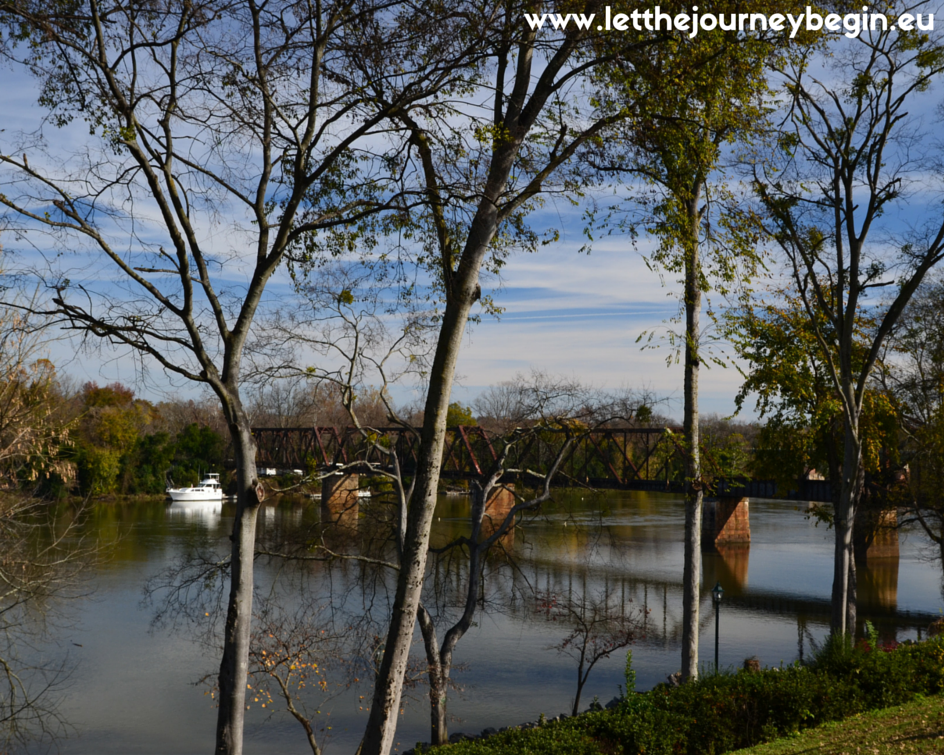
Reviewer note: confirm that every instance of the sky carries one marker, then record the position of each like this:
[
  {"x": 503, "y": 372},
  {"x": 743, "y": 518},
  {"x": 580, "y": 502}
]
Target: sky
[
  {"x": 567, "y": 313},
  {"x": 579, "y": 315}
]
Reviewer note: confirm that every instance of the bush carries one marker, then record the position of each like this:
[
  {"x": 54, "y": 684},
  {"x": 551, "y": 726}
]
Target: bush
[
  {"x": 724, "y": 712},
  {"x": 551, "y": 738},
  {"x": 98, "y": 470}
]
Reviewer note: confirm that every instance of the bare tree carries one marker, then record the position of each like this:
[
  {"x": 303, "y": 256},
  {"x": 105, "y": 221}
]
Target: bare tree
[
  {"x": 34, "y": 423},
  {"x": 223, "y": 134},
  {"x": 346, "y": 324},
  {"x": 912, "y": 371},
  {"x": 175, "y": 415},
  {"x": 531, "y": 398},
  {"x": 600, "y": 626},
  {"x": 292, "y": 651},
  {"x": 850, "y": 157},
  {"x": 486, "y": 531},
  {"x": 41, "y": 561}
]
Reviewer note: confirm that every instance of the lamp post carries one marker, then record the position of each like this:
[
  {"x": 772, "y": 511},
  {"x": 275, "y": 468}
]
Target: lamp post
[{"x": 716, "y": 594}]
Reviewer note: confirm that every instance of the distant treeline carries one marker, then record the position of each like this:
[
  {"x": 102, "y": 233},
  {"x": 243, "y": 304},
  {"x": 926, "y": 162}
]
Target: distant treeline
[
  {"x": 116, "y": 443},
  {"x": 58, "y": 437},
  {"x": 64, "y": 438}
]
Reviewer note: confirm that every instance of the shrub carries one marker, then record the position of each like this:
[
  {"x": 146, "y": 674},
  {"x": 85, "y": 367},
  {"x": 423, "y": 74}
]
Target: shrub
[{"x": 724, "y": 712}]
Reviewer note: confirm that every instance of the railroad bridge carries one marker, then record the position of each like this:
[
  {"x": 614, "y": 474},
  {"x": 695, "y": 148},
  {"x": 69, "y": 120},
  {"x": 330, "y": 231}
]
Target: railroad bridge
[
  {"x": 651, "y": 459},
  {"x": 610, "y": 458}
]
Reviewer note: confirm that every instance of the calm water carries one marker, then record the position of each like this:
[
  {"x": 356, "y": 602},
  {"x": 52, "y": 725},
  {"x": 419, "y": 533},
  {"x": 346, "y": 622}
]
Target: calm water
[{"x": 135, "y": 689}]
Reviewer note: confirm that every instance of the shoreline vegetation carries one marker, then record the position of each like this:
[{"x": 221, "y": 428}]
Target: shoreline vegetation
[{"x": 828, "y": 706}]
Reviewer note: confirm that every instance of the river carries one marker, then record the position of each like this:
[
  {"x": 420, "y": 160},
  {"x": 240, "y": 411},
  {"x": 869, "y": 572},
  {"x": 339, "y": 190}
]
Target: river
[{"x": 135, "y": 687}]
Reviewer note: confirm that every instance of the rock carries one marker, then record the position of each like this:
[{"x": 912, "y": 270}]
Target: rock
[
  {"x": 752, "y": 664},
  {"x": 459, "y": 737},
  {"x": 489, "y": 732},
  {"x": 614, "y": 703},
  {"x": 675, "y": 680}
]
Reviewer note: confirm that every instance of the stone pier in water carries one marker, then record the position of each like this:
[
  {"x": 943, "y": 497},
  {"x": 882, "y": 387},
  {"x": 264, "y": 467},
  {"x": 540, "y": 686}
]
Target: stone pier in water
[
  {"x": 875, "y": 534},
  {"x": 339, "y": 499},
  {"x": 500, "y": 502},
  {"x": 726, "y": 521}
]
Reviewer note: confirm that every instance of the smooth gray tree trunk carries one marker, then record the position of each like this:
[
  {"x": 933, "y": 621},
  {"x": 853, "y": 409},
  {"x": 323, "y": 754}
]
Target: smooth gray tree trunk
[
  {"x": 438, "y": 679},
  {"x": 694, "y": 495},
  {"x": 439, "y": 660},
  {"x": 234, "y": 664},
  {"x": 382, "y": 723},
  {"x": 843, "y": 618}
]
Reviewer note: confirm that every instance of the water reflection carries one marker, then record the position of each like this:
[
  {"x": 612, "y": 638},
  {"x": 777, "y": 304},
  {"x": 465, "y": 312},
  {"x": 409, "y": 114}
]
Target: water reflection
[
  {"x": 726, "y": 564},
  {"x": 877, "y": 584},
  {"x": 207, "y": 512},
  {"x": 624, "y": 549}
]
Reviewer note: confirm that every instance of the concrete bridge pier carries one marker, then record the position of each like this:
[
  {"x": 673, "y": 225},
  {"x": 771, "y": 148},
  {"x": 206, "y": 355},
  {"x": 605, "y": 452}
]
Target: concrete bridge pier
[
  {"x": 875, "y": 534},
  {"x": 500, "y": 502},
  {"x": 726, "y": 521},
  {"x": 339, "y": 500}
]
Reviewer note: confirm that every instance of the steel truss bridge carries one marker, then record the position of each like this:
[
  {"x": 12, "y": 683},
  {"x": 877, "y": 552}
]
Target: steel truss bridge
[{"x": 613, "y": 458}]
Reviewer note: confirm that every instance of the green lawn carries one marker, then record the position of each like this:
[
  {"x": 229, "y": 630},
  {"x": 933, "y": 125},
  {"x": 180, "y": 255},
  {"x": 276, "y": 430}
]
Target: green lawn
[{"x": 913, "y": 729}]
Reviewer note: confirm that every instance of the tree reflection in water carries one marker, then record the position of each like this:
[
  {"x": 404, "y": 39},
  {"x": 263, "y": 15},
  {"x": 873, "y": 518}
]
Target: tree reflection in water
[
  {"x": 43, "y": 560},
  {"x": 626, "y": 546}
]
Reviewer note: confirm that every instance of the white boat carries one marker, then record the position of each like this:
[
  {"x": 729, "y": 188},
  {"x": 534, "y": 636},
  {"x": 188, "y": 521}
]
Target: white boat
[{"x": 209, "y": 490}]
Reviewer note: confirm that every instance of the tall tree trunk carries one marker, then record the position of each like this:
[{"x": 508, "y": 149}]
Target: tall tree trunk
[
  {"x": 439, "y": 660},
  {"x": 581, "y": 681},
  {"x": 694, "y": 496},
  {"x": 382, "y": 723},
  {"x": 844, "y": 574},
  {"x": 234, "y": 665}
]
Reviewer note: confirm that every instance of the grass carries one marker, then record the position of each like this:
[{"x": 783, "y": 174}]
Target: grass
[{"x": 915, "y": 728}]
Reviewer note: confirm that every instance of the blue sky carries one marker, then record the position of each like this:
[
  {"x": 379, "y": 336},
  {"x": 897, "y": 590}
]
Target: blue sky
[
  {"x": 565, "y": 312},
  {"x": 580, "y": 315}
]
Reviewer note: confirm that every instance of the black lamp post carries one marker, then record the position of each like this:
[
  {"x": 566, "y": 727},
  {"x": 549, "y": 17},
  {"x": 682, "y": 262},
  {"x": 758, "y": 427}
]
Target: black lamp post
[{"x": 716, "y": 594}]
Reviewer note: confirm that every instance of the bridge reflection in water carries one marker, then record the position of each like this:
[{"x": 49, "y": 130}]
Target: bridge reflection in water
[
  {"x": 621, "y": 548},
  {"x": 618, "y": 553},
  {"x": 622, "y": 553}
]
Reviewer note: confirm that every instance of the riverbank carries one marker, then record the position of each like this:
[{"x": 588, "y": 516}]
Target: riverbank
[{"x": 724, "y": 712}]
